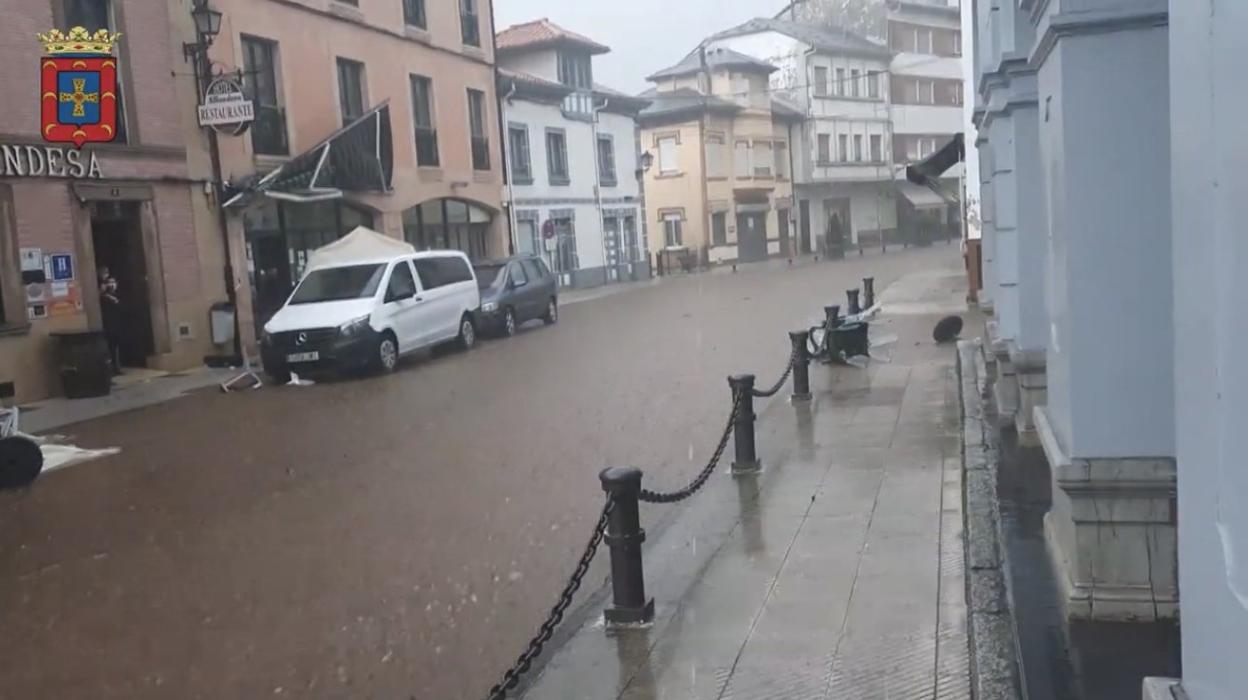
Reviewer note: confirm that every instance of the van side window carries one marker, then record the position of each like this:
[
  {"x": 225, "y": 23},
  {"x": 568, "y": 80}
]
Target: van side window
[
  {"x": 430, "y": 275},
  {"x": 533, "y": 269},
  {"x": 455, "y": 269},
  {"x": 402, "y": 286}
]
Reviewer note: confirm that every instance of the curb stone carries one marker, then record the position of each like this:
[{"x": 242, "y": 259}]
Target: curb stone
[{"x": 993, "y": 641}]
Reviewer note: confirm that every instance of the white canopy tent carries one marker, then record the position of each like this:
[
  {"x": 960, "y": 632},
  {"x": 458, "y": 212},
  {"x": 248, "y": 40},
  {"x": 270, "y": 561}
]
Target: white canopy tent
[{"x": 361, "y": 245}]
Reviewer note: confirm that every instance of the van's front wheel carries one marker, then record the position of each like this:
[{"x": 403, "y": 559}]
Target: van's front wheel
[
  {"x": 386, "y": 355},
  {"x": 467, "y": 339}
]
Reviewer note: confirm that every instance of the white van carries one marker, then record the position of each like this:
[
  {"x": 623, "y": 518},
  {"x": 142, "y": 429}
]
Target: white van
[{"x": 361, "y": 305}]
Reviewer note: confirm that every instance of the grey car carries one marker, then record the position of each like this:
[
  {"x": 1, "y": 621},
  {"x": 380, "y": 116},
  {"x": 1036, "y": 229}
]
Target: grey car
[{"x": 515, "y": 290}]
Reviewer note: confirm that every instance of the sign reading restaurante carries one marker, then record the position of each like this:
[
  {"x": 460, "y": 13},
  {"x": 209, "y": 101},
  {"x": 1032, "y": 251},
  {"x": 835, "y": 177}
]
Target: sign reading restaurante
[{"x": 48, "y": 161}]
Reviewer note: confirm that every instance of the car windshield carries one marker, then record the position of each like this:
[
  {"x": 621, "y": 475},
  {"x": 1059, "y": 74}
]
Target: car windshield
[
  {"x": 338, "y": 283},
  {"x": 487, "y": 275}
]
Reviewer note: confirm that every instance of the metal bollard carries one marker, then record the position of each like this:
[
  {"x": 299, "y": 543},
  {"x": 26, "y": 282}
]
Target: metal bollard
[
  {"x": 851, "y": 303},
  {"x": 868, "y": 292},
  {"x": 746, "y": 461},
  {"x": 831, "y": 316},
  {"x": 801, "y": 365},
  {"x": 624, "y": 536}
]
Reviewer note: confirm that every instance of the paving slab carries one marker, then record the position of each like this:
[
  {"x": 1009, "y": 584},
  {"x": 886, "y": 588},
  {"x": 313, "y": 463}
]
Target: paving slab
[{"x": 836, "y": 573}]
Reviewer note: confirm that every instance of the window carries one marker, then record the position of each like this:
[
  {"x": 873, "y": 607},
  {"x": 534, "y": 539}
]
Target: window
[
  {"x": 912, "y": 148},
  {"x": 606, "y": 161},
  {"x": 821, "y": 81},
  {"x": 956, "y": 93},
  {"x": 853, "y": 82},
  {"x": 575, "y": 70},
  {"x": 518, "y": 277},
  {"x": 873, "y": 85},
  {"x": 476, "y": 127},
  {"x": 402, "y": 286},
  {"x": 927, "y": 92},
  {"x": 557, "y": 157},
  {"x": 521, "y": 161},
  {"x": 842, "y": 142},
  {"x": 672, "y": 237},
  {"x": 422, "y": 119},
  {"x": 442, "y": 270},
  {"x": 741, "y": 159},
  {"x": 877, "y": 148},
  {"x": 414, "y": 13},
  {"x": 782, "y": 160},
  {"x": 350, "y": 89},
  {"x": 268, "y": 131},
  {"x": 825, "y": 148},
  {"x": 762, "y": 158},
  {"x": 565, "y": 234},
  {"x": 839, "y": 87},
  {"x": 533, "y": 269},
  {"x": 858, "y": 147},
  {"x": 469, "y": 23},
  {"x": 923, "y": 40},
  {"x": 94, "y": 15},
  {"x": 667, "y": 156},
  {"x": 719, "y": 228},
  {"x": 715, "y": 166},
  {"x": 957, "y": 43}
]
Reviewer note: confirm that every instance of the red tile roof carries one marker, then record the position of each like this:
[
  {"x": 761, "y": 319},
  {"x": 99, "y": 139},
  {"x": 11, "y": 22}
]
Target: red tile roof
[{"x": 543, "y": 33}]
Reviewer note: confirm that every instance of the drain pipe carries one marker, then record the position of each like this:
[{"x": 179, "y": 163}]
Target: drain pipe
[
  {"x": 602, "y": 219},
  {"x": 513, "y": 222}
]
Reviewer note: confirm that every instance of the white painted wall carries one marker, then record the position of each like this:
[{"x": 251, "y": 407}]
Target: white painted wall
[
  {"x": 543, "y": 64},
  {"x": 926, "y": 119},
  {"x": 906, "y": 63},
  {"x": 1110, "y": 198},
  {"x": 582, "y": 170},
  {"x": 1209, "y": 145}
]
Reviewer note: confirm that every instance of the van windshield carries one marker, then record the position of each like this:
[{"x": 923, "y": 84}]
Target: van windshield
[
  {"x": 488, "y": 274},
  {"x": 338, "y": 283}
]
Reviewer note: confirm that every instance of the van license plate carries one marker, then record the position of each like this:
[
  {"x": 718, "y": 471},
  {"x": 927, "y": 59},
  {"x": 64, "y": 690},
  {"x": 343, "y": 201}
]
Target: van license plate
[{"x": 304, "y": 357}]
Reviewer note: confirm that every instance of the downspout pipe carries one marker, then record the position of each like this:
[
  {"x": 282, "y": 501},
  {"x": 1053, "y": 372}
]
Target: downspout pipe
[
  {"x": 602, "y": 219},
  {"x": 502, "y": 134},
  {"x": 513, "y": 223}
]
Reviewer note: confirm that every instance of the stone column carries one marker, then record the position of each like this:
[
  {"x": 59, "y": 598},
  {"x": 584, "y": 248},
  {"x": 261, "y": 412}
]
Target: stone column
[
  {"x": 1209, "y": 187},
  {"x": 1108, "y": 426}
]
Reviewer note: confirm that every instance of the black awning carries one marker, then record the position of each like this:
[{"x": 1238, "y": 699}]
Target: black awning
[
  {"x": 359, "y": 157},
  {"x": 928, "y": 170}
]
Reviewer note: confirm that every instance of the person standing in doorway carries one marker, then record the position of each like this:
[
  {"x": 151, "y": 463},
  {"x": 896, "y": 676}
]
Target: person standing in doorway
[{"x": 110, "y": 309}]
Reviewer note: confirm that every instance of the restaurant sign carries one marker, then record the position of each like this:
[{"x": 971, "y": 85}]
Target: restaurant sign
[
  {"x": 226, "y": 107},
  {"x": 48, "y": 161}
]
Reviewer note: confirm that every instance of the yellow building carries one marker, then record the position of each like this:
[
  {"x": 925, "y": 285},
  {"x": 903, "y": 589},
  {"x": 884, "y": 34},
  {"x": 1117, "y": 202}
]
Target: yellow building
[{"x": 718, "y": 186}]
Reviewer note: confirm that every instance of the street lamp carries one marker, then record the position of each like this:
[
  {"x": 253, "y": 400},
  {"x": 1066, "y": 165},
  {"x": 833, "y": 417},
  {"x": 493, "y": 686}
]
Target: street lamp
[
  {"x": 647, "y": 160},
  {"x": 207, "y": 21}
]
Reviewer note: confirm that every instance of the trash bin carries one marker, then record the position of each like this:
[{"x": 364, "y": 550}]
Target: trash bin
[
  {"x": 84, "y": 362},
  {"x": 221, "y": 321},
  {"x": 851, "y": 339}
]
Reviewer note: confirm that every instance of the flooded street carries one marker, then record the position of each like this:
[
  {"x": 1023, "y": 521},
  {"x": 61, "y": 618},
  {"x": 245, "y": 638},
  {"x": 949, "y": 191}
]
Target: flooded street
[{"x": 392, "y": 536}]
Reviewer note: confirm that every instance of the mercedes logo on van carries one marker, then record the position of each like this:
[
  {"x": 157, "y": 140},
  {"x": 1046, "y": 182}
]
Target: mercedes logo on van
[{"x": 301, "y": 338}]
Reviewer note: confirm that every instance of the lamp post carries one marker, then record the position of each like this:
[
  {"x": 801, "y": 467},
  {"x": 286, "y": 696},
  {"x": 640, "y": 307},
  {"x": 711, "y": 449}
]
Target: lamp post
[{"x": 207, "y": 27}]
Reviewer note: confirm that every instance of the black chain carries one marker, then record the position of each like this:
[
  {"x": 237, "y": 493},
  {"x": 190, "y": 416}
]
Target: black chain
[
  {"x": 512, "y": 677},
  {"x": 675, "y": 496},
  {"x": 783, "y": 378}
]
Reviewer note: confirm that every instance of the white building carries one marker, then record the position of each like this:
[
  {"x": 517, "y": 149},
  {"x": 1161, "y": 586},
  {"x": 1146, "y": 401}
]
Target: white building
[
  {"x": 843, "y": 152},
  {"x": 926, "y": 98},
  {"x": 1074, "y": 127},
  {"x": 571, "y": 156},
  {"x": 1114, "y": 147}
]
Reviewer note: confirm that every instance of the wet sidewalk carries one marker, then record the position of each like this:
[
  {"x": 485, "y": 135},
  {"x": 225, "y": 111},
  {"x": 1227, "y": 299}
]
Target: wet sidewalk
[{"x": 836, "y": 573}]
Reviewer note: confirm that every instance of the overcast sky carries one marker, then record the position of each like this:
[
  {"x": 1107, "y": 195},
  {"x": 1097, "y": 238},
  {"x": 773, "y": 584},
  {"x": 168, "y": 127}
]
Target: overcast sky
[{"x": 644, "y": 35}]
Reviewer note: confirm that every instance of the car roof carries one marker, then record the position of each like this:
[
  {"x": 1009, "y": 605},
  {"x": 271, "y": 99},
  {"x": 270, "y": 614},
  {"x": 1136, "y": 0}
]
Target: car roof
[{"x": 504, "y": 261}]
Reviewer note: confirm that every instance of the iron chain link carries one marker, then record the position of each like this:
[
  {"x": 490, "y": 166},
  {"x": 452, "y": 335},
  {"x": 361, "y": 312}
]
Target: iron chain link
[
  {"x": 648, "y": 496},
  {"x": 512, "y": 677},
  {"x": 783, "y": 378}
]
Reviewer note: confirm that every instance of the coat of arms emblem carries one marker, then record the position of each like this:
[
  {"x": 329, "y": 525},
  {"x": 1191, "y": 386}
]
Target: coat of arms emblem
[{"x": 78, "y": 87}]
